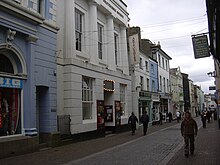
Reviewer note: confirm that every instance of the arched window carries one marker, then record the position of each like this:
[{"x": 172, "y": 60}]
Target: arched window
[{"x": 5, "y": 65}]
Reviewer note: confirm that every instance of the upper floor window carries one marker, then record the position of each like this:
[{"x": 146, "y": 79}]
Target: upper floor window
[
  {"x": 160, "y": 83},
  {"x": 146, "y": 65},
  {"x": 116, "y": 48},
  {"x": 153, "y": 86},
  {"x": 78, "y": 29},
  {"x": 159, "y": 60},
  {"x": 164, "y": 85},
  {"x": 148, "y": 84},
  {"x": 163, "y": 63},
  {"x": 40, "y": 6},
  {"x": 152, "y": 68},
  {"x": 140, "y": 64},
  {"x": 100, "y": 40},
  {"x": 142, "y": 82},
  {"x": 167, "y": 86},
  {"x": 167, "y": 65}
]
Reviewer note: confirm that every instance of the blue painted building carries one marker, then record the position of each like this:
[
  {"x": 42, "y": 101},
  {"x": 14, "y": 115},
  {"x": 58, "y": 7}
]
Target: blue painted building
[
  {"x": 154, "y": 87},
  {"x": 27, "y": 74}
]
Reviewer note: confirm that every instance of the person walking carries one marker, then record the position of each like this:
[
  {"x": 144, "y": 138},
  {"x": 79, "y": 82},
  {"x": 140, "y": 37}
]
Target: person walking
[
  {"x": 178, "y": 116},
  {"x": 132, "y": 121},
  {"x": 189, "y": 130},
  {"x": 203, "y": 118},
  {"x": 160, "y": 117},
  {"x": 170, "y": 116},
  {"x": 145, "y": 121}
]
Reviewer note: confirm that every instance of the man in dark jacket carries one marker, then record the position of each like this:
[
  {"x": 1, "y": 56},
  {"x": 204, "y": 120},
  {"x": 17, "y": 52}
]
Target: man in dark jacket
[
  {"x": 132, "y": 120},
  {"x": 189, "y": 129},
  {"x": 145, "y": 121}
]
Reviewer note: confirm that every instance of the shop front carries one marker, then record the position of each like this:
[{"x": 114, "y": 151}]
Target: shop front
[
  {"x": 10, "y": 106},
  {"x": 144, "y": 104},
  {"x": 164, "y": 104},
  {"x": 155, "y": 107}
]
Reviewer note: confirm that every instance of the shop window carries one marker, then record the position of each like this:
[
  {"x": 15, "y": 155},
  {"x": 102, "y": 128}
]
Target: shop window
[
  {"x": 10, "y": 115},
  {"x": 87, "y": 97},
  {"x": 5, "y": 65}
]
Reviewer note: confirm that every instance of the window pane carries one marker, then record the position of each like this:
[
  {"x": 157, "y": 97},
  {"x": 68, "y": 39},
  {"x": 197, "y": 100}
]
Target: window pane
[{"x": 87, "y": 111}]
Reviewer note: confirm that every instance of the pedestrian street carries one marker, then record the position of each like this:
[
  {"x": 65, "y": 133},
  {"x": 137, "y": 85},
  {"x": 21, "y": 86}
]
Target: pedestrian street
[{"x": 155, "y": 148}]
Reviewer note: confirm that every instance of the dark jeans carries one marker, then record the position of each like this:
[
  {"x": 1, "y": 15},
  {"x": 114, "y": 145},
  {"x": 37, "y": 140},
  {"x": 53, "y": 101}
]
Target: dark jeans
[
  {"x": 145, "y": 125},
  {"x": 133, "y": 128},
  {"x": 189, "y": 143}
]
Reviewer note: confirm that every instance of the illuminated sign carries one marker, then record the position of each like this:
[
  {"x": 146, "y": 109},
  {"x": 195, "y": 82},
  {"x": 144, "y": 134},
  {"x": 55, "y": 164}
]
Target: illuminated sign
[{"x": 109, "y": 85}]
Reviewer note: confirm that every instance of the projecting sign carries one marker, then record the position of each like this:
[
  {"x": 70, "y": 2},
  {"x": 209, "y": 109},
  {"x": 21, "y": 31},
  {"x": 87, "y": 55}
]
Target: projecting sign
[
  {"x": 200, "y": 46},
  {"x": 134, "y": 49}
]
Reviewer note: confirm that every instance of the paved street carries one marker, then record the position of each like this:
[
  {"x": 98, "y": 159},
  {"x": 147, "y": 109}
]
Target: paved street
[{"x": 162, "y": 145}]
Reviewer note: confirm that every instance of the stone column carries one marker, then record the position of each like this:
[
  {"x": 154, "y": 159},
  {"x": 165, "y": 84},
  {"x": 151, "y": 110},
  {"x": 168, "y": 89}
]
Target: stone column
[
  {"x": 124, "y": 51},
  {"x": 69, "y": 26},
  {"x": 93, "y": 32},
  {"x": 110, "y": 43}
]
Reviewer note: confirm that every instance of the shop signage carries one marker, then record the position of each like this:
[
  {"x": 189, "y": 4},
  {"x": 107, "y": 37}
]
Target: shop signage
[
  {"x": 200, "y": 46},
  {"x": 10, "y": 83},
  {"x": 109, "y": 85},
  {"x": 134, "y": 49},
  {"x": 212, "y": 88}
]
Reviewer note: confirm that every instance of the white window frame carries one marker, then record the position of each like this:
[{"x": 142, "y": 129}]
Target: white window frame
[
  {"x": 87, "y": 97},
  {"x": 148, "y": 84},
  {"x": 146, "y": 65},
  {"x": 116, "y": 41},
  {"x": 78, "y": 44},
  {"x": 140, "y": 63},
  {"x": 100, "y": 40},
  {"x": 142, "y": 82}
]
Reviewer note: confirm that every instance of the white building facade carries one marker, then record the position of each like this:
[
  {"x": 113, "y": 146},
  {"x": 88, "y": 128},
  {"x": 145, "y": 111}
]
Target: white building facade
[
  {"x": 177, "y": 100},
  {"x": 94, "y": 86}
]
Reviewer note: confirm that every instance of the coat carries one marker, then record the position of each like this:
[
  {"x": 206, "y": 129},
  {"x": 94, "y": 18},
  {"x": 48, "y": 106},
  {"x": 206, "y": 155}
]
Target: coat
[
  {"x": 189, "y": 127},
  {"x": 132, "y": 120}
]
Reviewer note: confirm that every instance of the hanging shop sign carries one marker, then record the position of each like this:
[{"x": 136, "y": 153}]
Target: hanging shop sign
[
  {"x": 109, "y": 85},
  {"x": 134, "y": 49},
  {"x": 200, "y": 46},
  {"x": 10, "y": 83}
]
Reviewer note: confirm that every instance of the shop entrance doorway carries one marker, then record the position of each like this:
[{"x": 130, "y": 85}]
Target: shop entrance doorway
[{"x": 42, "y": 108}]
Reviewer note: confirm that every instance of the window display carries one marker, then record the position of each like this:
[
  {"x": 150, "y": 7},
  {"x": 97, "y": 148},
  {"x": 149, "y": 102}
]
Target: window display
[{"x": 9, "y": 111}]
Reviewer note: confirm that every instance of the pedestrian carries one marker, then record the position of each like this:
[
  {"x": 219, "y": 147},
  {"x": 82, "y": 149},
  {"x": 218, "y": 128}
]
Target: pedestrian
[
  {"x": 132, "y": 121},
  {"x": 178, "y": 116},
  {"x": 161, "y": 118},
  {"x": 170, "y": 116},
  {"x": 145, "y": 121},
  {"x": 208, "y": 115},
  {"x": 189, "y": 130},
  {"x": 203, "y": 118}
]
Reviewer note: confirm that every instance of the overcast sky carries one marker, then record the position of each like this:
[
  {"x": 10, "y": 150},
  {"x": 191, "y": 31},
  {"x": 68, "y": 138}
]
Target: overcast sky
[{"x": 172, "y": 22}]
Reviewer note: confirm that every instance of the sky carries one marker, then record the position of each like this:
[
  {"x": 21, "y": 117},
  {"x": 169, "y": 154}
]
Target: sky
[{"x": 172, "y": 23}]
